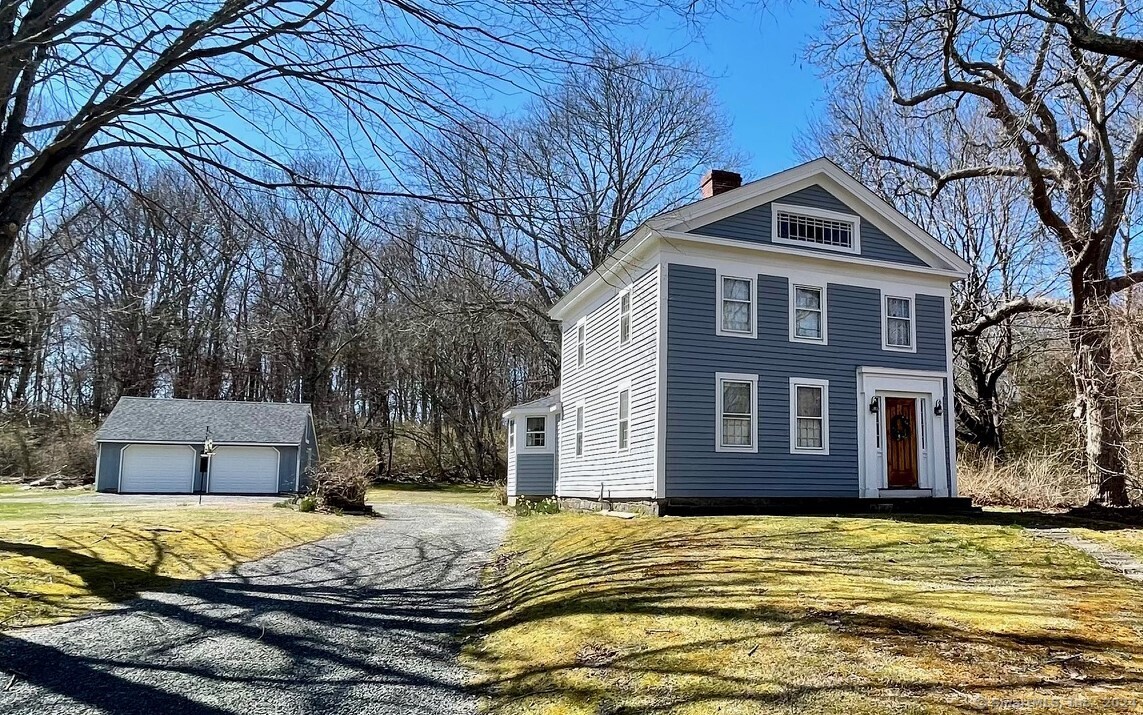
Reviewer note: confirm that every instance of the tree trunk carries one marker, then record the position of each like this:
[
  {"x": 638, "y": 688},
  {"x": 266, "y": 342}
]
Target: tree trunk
[{"x": 1097, "y": 396}]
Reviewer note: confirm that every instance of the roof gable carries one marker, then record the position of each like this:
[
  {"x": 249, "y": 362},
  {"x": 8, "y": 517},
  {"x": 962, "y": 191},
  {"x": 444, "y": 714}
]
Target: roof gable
[
  {"x": 144, "y": 419},
  {"x": 822, "y": 184}
]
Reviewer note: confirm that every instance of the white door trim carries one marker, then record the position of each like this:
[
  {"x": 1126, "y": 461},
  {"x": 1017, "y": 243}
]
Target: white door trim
[{"x": 878, "y": 383}]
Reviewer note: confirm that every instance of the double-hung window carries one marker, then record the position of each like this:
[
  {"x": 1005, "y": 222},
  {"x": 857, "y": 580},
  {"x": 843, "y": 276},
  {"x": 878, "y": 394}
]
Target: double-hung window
[
  {"x": 809, "y": 416},
  {"x": 899, "y": 327},
  {"x": 807, "y": 314},
  {"x": 581, "y": 343},
  {"x": 624, "y": 418},
  {"x": 511, "y": 434},
  {"x": 737, "y": 412},
  {"x": 579, "y": 431},
  {"x": 736, "y": 306},
  {"x": 624, "y": 317},
  {"x": 535, "y": 432}
]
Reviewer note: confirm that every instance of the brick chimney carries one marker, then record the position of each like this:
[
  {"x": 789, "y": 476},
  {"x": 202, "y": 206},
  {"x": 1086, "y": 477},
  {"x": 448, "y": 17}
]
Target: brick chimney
[{"x": 716, "y": 181}]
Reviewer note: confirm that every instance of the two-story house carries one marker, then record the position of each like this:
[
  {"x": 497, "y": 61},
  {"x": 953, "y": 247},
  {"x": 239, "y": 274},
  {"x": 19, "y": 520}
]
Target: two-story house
[{"x": 787, "y": 338}]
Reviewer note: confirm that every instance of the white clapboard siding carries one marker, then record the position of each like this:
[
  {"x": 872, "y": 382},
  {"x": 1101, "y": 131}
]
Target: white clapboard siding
[{"x": 631, "y": 472}]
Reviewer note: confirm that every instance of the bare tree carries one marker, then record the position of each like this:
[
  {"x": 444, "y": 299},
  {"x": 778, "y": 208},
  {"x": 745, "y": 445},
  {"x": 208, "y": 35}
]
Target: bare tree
[
  {"x": 1062, "y": 120},
  {"x": 225, "y": 86}
]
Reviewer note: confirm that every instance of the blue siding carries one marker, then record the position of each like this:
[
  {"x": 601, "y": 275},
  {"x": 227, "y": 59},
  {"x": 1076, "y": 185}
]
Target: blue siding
[
  {"x": 695, "y": 353},
  {"x": 535, "y": 474},
  {"x": 754, "y": 225}
]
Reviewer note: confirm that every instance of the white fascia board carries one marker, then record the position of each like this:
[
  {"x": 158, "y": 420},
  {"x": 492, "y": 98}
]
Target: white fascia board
[
  {"x": 729, "y": 248},
  {"x": 877, "y": 211},
  {"x": 619, "y": 269}
]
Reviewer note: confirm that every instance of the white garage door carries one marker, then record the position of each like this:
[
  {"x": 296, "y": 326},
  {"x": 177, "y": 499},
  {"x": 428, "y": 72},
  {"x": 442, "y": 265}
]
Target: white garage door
[
  {"x": 244, "y": 470},
  {"x": 157, "y": 468}
]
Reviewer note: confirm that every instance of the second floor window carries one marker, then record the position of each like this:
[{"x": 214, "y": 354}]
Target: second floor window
[
  {"x": 581, "y": 344},
  {"x": 737, "y": 306},
  {"x": 809, "y": 313},
  {"x": 898, "y": 323},
  {"x": 536, "y": 432},
  {"x": 624, "y": 317}
]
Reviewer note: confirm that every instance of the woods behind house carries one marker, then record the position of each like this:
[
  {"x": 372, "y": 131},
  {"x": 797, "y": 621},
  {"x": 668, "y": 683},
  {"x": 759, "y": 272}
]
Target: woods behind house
[{"x": 408, "y": 304}]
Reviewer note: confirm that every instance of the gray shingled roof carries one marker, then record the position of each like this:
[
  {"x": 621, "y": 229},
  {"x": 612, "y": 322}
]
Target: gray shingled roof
[
  {"x": 552, "y": 398},
  {"x": 143, "y": 419}
]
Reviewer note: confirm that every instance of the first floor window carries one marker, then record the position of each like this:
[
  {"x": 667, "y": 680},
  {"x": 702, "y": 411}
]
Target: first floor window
[
  {"x": 579, "y": 431},
  {"x": 898, "y": 322},
  {"x": 536, "y": 432},
  {"x": 810, "y": 405},
  {"x": 511, "y": 434},
  {"x": 808, "y": 313},
  {"x": 737, "y": 305},
  {"x": 737, "y": 406},
  {"x": 624, "y": 416}
]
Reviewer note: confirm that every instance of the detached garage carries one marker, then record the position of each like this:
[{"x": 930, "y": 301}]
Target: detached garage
[{"x": 156, "y": 446}]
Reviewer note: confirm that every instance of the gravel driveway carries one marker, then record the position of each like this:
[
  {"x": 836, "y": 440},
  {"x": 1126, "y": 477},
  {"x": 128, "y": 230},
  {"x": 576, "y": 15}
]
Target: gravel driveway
[{"x": 361, "y": 623}]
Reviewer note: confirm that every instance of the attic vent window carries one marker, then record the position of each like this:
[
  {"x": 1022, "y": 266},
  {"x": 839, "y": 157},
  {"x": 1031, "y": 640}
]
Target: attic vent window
[{"x": 826, "y": 229}]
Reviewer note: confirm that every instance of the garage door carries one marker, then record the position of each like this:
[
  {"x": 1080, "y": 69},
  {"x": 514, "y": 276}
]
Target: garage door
[
  {"x": 244, "y": 470},
  {"x": 157, "y": 468}
]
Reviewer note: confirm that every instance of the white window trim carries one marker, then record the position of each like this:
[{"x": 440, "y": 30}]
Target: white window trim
[
  {"x": 912, "y": 322},
  {"x": 624, "y": 385},
  {"x": 511, "y": 434},
  {"x": 794, "y": 337},
  {"x": 581, "y": 343},
  {"x": 579, "y": 430},
  {"x": 795, "y": 383},
  {"x": 814, "y": 212},
  {"x": 546, "y": 447},
  {"x": 719, "y": 377},
  {"x": 718, "y": 329},
  {"x": 630, "y": 309}
]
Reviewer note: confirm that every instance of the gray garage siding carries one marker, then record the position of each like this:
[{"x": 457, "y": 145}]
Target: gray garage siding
[
  {"x": 287, "y": 469},
  {"x": 535, "y": 474},
  {"x": 695, "y": 353},
  {"x": 755, "y": 225}
]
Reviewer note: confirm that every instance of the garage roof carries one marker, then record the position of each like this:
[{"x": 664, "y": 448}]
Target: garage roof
[{"x": 145, "y": 419}]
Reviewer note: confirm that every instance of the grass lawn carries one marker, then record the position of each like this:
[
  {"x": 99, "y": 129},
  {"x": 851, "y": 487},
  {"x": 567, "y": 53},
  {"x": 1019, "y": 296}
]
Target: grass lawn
[
  {"x": 60, "y": 559},
  {"x": 802, "y": 615},
  {"x": 477, "y": 497}
]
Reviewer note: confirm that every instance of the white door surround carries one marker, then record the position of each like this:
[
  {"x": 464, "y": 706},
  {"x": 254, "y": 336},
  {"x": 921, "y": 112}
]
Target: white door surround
[
  {"x": 243, "y": 470},
  {"x": 157, "y": 468},
  {"x": 877, "y": 383}
]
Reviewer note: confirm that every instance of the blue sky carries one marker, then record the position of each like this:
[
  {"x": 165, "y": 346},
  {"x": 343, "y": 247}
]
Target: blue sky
[{"x": 767, "y": 89}]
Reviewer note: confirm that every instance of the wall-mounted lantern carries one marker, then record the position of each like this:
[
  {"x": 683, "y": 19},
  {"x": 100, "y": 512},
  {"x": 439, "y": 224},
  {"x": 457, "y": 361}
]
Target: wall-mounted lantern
[
  {"x": 938, "y": 408},
  {"x": 874, "y": 406}
]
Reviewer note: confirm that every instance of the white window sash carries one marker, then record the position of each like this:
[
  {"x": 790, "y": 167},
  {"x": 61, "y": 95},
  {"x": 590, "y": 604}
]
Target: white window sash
[
  {"x": 795, "y": 335},
  {"x": 796, "y": 417},
  {"x": 624, "y": 317},
  {"x": 579, "y": 420},
  {"x": 721, "y": 415},
  {"x": 623, "y": 419},
  {"x": 906, "y": 322},
  {"x": 750, "y": 303}
]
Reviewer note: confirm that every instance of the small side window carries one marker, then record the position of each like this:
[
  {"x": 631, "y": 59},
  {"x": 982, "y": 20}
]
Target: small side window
[
  {"x": 624, "y": 317},
  {"x": 581, "y": 343},
  {"x": 536, "y": 429},
  {"x": 511, "y": 434},
  {"x": 624, "y": 417},
  {"x": 579, "y": 431}
]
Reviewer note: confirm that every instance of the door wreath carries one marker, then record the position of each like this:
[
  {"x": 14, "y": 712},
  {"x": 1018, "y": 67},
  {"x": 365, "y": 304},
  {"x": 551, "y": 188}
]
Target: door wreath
[{"x": 899, "y": 427}]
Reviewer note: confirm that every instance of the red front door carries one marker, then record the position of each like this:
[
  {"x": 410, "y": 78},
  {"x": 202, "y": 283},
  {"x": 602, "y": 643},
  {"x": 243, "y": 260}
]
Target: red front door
[{"x": 901, "y": 442}]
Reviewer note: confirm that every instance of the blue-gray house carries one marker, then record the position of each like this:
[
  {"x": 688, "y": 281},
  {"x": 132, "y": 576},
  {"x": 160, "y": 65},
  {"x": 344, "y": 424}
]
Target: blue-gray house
[
  {"x": 191, "y": 446},
  {"x": 790, "y": 337}
]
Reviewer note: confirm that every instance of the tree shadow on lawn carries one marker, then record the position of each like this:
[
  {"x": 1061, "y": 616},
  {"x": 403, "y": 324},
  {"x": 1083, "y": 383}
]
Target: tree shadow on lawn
[
  {"x": 752, "y": 589},
  {"x": 318, "y": 628}
]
